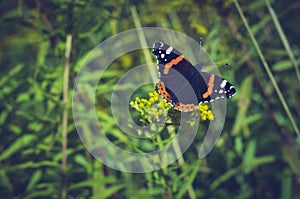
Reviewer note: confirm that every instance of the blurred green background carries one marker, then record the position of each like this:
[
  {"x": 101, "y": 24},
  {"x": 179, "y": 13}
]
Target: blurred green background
[{"x": 257, "y": 155}]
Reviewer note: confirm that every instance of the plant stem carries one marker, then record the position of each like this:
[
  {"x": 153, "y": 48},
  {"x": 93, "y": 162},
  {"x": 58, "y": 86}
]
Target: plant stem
[
  {"x": 142, "y": 39},
  {"x": 143, "y": 42},
  {"x": 65, "y": 116}
]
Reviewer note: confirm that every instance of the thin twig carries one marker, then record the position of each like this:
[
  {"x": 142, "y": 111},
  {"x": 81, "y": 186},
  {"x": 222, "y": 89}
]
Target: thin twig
[{"x": 65, "y": 116}]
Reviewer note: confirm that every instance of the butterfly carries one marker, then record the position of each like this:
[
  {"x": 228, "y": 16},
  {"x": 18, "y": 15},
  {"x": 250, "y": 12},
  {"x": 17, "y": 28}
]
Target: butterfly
[{"x": 183, "y": 85}]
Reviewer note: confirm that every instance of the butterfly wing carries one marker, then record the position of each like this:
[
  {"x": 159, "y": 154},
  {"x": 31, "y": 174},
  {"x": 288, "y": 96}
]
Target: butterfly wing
[
  {"x": 216, "y": 88},
  {"x": 182, "y": 84},
  {"x": 174, "y": 76}
]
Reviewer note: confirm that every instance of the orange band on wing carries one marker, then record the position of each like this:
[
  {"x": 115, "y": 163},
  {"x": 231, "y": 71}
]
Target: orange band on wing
[
  {"x": 171, "y": 63},
  {"x": 184, "y": 107},
  {"x": 210, "y": 87},
  {"x": 163, "y": 91}
]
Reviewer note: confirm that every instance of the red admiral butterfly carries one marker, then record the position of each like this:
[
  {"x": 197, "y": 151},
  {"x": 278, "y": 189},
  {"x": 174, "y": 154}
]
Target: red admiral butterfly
[{"x": 184, "y": 85}]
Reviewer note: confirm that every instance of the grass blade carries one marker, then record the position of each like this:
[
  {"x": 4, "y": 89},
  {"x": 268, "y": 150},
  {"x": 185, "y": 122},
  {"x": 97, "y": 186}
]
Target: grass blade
[
  {"x": 269, "y": 72},
  {"x": 283, "y": 39}
]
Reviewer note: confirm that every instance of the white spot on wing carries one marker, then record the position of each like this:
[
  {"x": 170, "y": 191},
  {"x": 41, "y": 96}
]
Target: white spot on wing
[
  {"x": 220, "y": 91},
  {"x": 169, "y": 50},
  {"x": 162, "y": 55},
  {"x": 161, "y": 44},
  {"x": 223, "y": 84}
]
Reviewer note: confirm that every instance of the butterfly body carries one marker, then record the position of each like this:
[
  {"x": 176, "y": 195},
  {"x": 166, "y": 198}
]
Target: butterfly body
[{"x": 184, "y": 85}]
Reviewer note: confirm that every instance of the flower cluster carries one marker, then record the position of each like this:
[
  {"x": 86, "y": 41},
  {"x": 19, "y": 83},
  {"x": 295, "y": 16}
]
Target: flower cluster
[
  {"x": 154, "y": 108},
  {"x": 205, "y": 113},
  {"x": 148, "y": 107}
]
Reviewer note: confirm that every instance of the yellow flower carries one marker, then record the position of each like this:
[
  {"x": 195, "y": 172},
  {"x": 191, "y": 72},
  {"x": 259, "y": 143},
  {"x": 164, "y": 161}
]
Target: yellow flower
[
  {"x": 153, "y": 97},
  {"x": 205, "y": 113},
  {"x": 142, "y": 105},
  {"x": 210, "y": 115},
  {"x": 151, "y": 101},
  {"x": 149, "y": 112},
  {"x": 192, "y": 123},
  {"x": 203, "y": 107}
]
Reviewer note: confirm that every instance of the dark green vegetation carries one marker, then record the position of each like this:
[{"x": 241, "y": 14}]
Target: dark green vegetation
[{"x": 41, "y": 155}]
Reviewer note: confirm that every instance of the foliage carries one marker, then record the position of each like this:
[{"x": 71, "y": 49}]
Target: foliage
[{"x": 257, "y": 155}]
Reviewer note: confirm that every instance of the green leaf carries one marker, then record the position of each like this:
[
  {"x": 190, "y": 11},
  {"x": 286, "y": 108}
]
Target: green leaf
[
  {"x": 31, "y": 164},
  {"x": 7, "y": 77},
  {"x": 46, "y": 190},
  {"x": 42, "y": 52},
  {"x": 23, "y": 97},
  {"x": 16, "y": 146},
  {"x": 108, "y": 192},
  {"x": 238, "y": 145},
  {"x": 290, "y": 154},
  {"x": 249, "y": 155},
  {"x": 5, "y": 181},
  {"x": 35, "y": 178},
  {"x": 245, "y": 93},
  {"x": 190, "y": 179},
  {"x": 258, "y": 161},
  {"x": 223, "y": 178},
  {"x": 283, "y": 65},
  {"x": 15, "y": 129},
  {"x": 286, "y": 184}
]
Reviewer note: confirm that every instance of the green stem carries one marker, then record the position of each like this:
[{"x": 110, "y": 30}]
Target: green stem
[
  {"x": 143, "y": 42},
  {"x": 65, "y": 116},
  {"x": 153, "y": 73}
]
